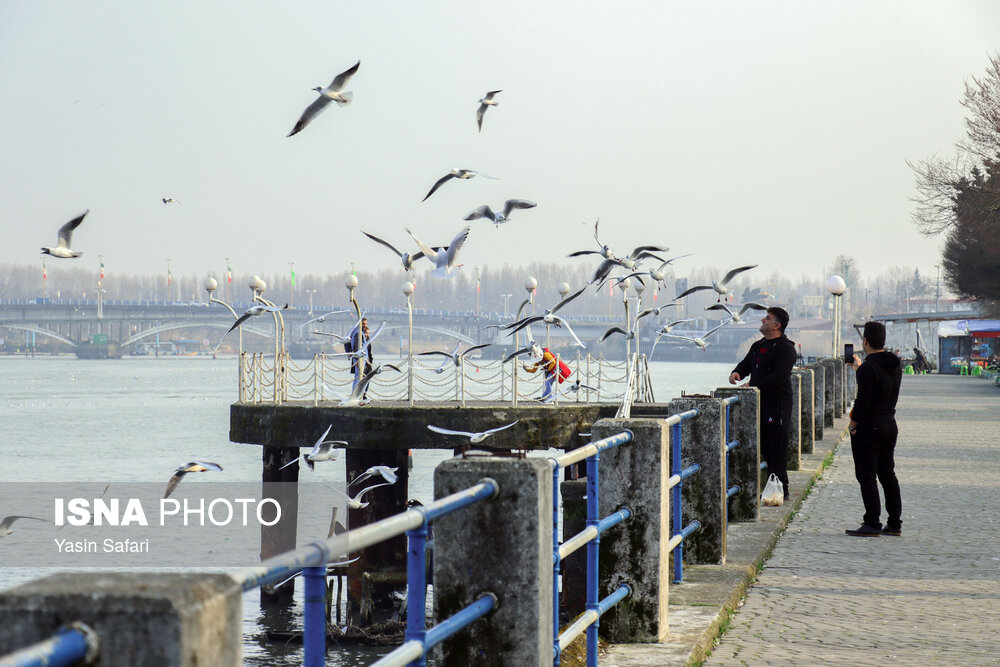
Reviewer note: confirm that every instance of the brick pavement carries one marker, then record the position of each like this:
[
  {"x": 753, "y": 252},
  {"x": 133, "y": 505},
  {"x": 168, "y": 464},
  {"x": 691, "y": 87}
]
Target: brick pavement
[{"x": 931, "y": 596}]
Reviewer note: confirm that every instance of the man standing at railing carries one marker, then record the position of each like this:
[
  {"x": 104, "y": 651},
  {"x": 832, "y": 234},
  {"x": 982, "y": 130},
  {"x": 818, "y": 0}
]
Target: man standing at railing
[
  {"x": 873, "y": 433},
  {"x": 769, "y": 365}
]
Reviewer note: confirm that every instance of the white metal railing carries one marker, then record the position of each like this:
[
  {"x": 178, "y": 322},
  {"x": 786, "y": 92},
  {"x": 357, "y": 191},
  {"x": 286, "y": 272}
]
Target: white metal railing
[{"x": 329, "y": 378}]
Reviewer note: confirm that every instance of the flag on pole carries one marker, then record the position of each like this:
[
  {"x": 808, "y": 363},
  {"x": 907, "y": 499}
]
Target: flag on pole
[
  {"x": 293, "y": 277},
  {"x": 102, "y": 270},
  {"x": 170, "y": 278},
  {"x": 44, "y": 272},
  {"x": 229, "y": 273}
]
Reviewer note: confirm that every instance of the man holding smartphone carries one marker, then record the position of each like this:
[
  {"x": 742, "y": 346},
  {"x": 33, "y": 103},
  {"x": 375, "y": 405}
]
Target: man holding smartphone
[
  {"x": 874, "y": 432},
  {"x": 769, "y": 364}
]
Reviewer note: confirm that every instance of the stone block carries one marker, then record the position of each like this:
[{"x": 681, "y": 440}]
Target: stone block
[
  {"x": 794, "y": 459},
  {"x": 819, "y": 400},
  {"x": 744, "y": 461},
  {"x": 807, "y": 405},
  {"x": 830, "y": 396}
]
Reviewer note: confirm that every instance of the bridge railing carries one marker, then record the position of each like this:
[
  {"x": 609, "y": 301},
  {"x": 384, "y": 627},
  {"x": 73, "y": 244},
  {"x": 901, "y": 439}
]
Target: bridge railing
[{"x": 325, "y": 377}]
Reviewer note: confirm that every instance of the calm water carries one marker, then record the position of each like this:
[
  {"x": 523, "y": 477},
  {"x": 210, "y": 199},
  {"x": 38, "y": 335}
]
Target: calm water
[{"x": 137, "y": 419}]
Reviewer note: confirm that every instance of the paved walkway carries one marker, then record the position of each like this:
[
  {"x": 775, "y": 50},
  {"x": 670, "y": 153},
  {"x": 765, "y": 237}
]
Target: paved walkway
[{"x": 931, "y": 596}]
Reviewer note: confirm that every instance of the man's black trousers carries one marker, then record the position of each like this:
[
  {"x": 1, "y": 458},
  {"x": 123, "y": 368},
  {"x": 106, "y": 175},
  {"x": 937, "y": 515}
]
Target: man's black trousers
[
  {"x": 775, "y": 423},
  {"x": 873, "y": 445}
]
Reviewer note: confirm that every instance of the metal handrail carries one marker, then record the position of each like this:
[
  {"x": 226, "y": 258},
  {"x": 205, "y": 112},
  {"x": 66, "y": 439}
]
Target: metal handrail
[
  {"x": 72, "y": 643},
  {"x": 678, "y": 534}
]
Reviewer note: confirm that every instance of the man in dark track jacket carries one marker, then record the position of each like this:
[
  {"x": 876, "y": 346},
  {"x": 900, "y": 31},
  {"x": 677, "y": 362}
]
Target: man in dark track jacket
[
  {"x": 769, "y": 365},
  {"x": 873, "y": 433}
]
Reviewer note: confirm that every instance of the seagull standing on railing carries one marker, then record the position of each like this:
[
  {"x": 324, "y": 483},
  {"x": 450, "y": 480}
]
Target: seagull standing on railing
[
  {"x": 323, "y": 450},
  {"x": 454, "y": 356},
  {"x": 474, "y": 438},
  {"x": 8, "y": 521},
  {"x": 720, "y": 286}
]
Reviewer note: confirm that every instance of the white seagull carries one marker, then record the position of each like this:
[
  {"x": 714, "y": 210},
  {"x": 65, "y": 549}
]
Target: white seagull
[
  {"x": 531, "y": 348},
  {"x": 387, "y": 473},
  {"x": 702, "y": 340},
  {"x": 322, "y": 318},
  {"x": 498, "y": 219},
  {"x": 62, "y": 249},
  {"x": 190, "y": 466},
  {"x": 664, "y": 330},
  {"x": 454, "y": 357},
  {"x": 736, "y": 316},
  {"x": 474, "y": 438},
  {"x": 443, "y": 259},
  {"x": 334, "y": 92},
  {"x": 170, "y": 200},
  {"x": 358, "y": 393},
  {"x": 604, "y": 252},
  {"x": 720, "y": 286},
  {"x": 550, "y": 318},
  {"x": 8, "y": 521},
  {"x": 634, "y": 258},
  {"x": 572, "y": 389},
  {"x": 660, "y": 275},
  {"x": 655, "y": 312},
  {"x": 484, "y": 103},
  {"x": 323, "y": 450},
  {"x": 405, "y": 257},
  {"x": 355, "y": 502},
  {"x": 360, "y": 354},
  {"x": 252, "y": 311},
  {"x": 464, "y": 174}
]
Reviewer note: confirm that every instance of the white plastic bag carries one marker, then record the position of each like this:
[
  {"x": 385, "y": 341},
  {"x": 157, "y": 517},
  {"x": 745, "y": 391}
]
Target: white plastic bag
[{"x": 774, "y": 493}]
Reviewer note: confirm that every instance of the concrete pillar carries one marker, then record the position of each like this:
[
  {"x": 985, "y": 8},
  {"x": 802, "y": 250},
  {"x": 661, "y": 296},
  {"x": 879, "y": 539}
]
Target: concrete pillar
[
  {"x": 141, "y": 618},
  {"x": 502, "y": 546},
  {"x": 794, "y": 458},
  {"x": 851, "y": 387},
  {"x": 635, "y": 552},
  {"x": 282, "y": 485},
  {"x": 703, "y": 493},
  {"x": 807, "y": 421},
  {"x": 830, "y": 396},
  {"x": 819, "y": 400},
  {"x": 838, "y": 387},
  {"x": 574, "y": 567},
  {"x": 744, "y": 461}
]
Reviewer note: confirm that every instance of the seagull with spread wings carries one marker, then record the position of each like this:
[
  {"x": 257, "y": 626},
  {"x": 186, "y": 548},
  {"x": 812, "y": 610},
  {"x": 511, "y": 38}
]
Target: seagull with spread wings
[
  {"x": 322, "y": 318},
  {"x": 357, "y": 396},
  {"x": 720, "y": 286},
  {"x": 62, "y": 249},
  {"x": 736, "y": 316},
  {"x": 252, "y": 311},
  {"x": 604, "y": 252},
  {"x": 323, "y": 450},
  {"x": 664, "y": 330},
  {"x": 444, "y": 258},
  {"x": 405, "y": 257},
  {"x": 485, "y": 103},
  {"x": 333, "y": 93},
  {"x": 550, "y": 318},
  {"x": 474, "y": 438},
  {"x": 702, "y": 340},
  {"x": 454, "y": 357},
  {"x": 503, "y": 216},
  {"x": 8, "y": 521},
  {"x": 463, "y": 174},
  {"x": 190, "y": 466}
]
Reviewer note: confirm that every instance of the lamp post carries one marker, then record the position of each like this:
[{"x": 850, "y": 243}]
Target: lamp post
[
  {"x": 351, "y": 282},
  {"x": 836, "y": 286},
  {"x": 624, "y": 285},
  {"x": 210, "y": 286},
  {"x": 169, "y": 280},
  {"x": 408, "y": 291}
]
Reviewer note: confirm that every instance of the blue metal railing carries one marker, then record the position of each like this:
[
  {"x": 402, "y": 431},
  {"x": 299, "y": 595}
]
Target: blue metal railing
[
  {"x": 590, "y": 536},
  {"x": 678, "y": 534},
  {"x": 311, "y": 559},
  {"x": 730, "y": 446},
  {"x": 71, "y": 643}
]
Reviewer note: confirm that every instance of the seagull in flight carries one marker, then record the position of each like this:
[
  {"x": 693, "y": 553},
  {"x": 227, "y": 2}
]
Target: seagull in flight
[
  {"x": 405, "y": 257},
  {"x": 323, "y": 450},
  {"x": 360, "y": 354},
  {"x": 62, "y": 249},
  {"x": 702, "y": 340},
  {"x": 170, "y": 200},
  {"x": 629, "y": 335},
  {"x": 736, "y": 316},
  {"x": 549, "y": 317},
  {"x": 322, "y": 318},
  {"x": 572, "y": 389},
  {"x": 387, "y": 473},
  {"x": 355, "y": 502},
  {"x": 8, "y": 521},
  {"x": 655, "y": 312},
  {"x": 604, "y": 252},
  {"x": 190, "y": 466},
  {"x": 252, "y": 311},
  {"x": 464, "y": 174},
  {"x": 443, "y": 259},
  {"x": 634, "y": 258},
  {"x": 357, "y": 396},
  {"x": 498, "y": 219},
  {"x": 485, "y": 103},
  {"x": 720, "y": 286},
  {"x": 474, "y": 438},
  {"x": 660, "y": 274},
  {"x": 333, "y": 93},
  {"x": 454, "y": 356},
  {"x": 531, "y": 348},
  {"x": 664, "y": 330}
]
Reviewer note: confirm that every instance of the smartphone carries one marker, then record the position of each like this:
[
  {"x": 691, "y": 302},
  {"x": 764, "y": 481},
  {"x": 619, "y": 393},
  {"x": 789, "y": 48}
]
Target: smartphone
[{"x": 848, "y": 353}]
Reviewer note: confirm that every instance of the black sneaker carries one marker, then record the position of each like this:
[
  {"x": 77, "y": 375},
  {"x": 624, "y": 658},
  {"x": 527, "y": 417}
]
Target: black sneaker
[
  {"x": 894, "y": 532},
  {"x": 864, "y": 531}
]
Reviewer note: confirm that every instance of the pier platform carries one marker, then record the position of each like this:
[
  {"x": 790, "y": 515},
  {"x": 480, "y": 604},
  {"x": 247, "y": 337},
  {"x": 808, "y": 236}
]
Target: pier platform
[{"x": 797, "y": 591}]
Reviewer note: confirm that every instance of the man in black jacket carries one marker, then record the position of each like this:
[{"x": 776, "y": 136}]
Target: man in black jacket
[
  {"x": 769, "y": 365},
  {"x": 873, "y": 433}
]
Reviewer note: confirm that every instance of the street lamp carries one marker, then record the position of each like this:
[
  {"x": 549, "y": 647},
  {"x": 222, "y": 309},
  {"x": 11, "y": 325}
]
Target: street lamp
[
  {"x": 210, "y": 286},
  {"x": 408, "y": 291},
  {"x": 836, "y": 286},
  {"x": 351, "y": 282}
]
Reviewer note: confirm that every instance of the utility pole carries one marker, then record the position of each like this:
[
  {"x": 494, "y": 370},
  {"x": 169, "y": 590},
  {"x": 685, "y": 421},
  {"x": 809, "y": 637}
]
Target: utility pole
[{"x": 169, "y": 280}]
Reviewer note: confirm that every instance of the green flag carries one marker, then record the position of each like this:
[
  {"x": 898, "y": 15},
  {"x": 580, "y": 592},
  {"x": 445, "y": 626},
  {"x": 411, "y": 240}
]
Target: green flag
[{"x": 293, "y": 277}]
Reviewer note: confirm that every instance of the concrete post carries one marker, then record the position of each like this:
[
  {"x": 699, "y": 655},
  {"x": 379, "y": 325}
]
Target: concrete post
[
  {"x": 850, "y": 387},
  {"x": 141, "y": 618},
  {"x": 282, "y": 485},
  {"x": 808, "y": 402},
  {"x": 838, "y": 395},
  {"x": 635, "y": 552},
  {"x": 744, "y": 461},
  {"x": 794, "y": 458},
  {"x": 703, "y": 493},
  {"x": 829, "y": 395},
  {"x": 502, "y": 546},
  {"x": 819, "y": 400}
]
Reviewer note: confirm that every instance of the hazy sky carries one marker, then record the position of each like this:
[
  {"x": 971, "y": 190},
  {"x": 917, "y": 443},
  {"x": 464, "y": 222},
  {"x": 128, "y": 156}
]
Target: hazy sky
[{"x": 766, "y": 132}]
